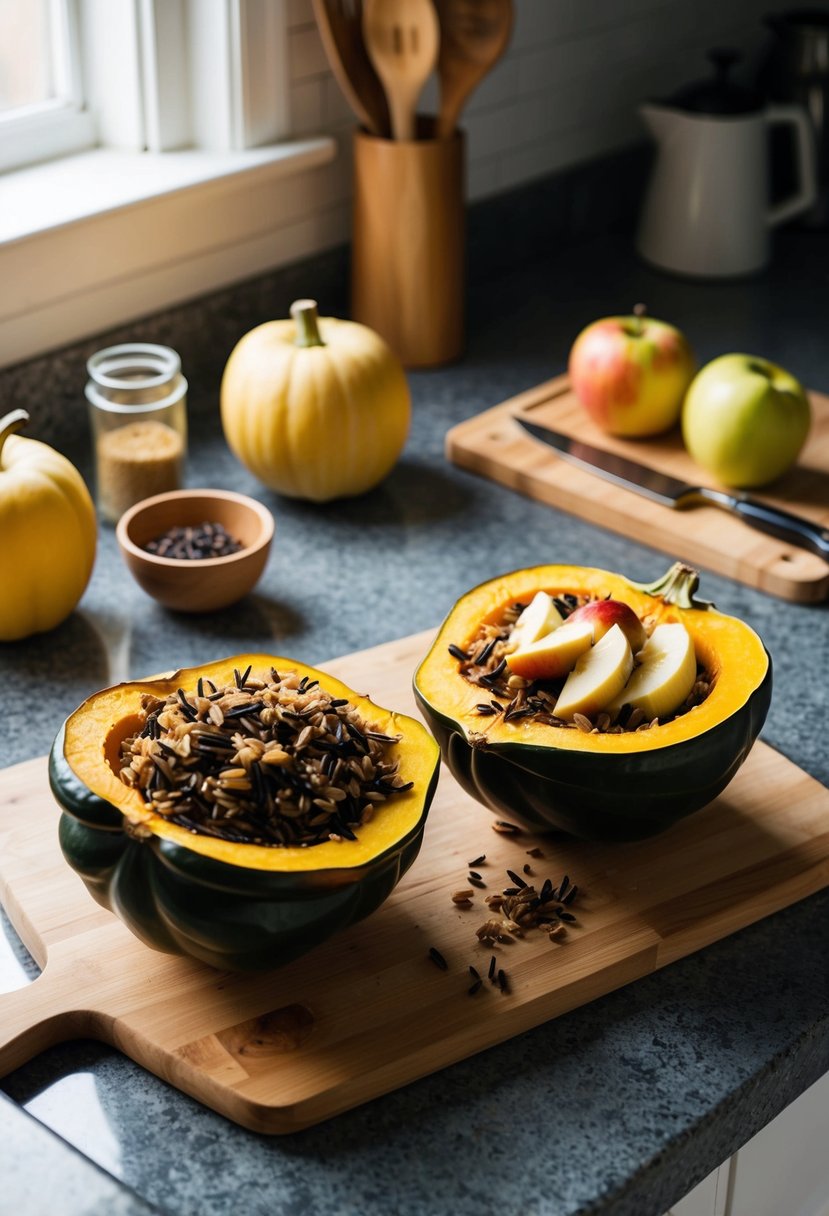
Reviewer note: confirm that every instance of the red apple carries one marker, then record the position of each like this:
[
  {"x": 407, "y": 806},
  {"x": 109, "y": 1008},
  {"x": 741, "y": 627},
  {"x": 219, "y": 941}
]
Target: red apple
[
  {"x": 604, "y": 614},
  {"x": 631, "y": 373}
]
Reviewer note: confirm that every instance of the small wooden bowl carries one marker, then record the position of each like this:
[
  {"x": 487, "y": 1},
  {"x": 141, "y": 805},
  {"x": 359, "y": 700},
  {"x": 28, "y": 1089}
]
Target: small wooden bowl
[{"x": 198, "y": 585}]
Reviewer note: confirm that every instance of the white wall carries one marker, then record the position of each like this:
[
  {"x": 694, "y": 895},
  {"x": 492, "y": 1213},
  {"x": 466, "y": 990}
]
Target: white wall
[{"x": 565, "y": 92}]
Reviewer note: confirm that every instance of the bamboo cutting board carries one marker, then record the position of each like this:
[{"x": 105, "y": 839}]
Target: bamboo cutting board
[
  {"x": 368, "y": 1011},
  {"x": 493, "y": 445}
]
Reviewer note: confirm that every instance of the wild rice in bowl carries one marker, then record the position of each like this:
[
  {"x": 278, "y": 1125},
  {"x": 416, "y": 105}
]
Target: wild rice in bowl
[{"x": 271, "y": 759}]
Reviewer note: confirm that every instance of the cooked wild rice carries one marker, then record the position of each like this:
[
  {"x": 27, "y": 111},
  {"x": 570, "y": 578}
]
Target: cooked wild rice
[{"x": 271, "y": 760}]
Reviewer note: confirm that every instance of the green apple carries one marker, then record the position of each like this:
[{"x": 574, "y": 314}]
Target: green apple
[
  {"x": 745, "y": 420},
  {"x": 631, "y": 373}
]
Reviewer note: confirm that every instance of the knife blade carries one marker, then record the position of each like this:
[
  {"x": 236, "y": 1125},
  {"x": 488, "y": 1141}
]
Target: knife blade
[{"x": 679, "y": 495}]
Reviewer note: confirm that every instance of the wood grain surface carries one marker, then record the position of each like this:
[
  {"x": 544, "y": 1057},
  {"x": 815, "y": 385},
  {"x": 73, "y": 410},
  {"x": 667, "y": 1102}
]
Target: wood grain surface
[
  {"x": 407, "y": 258},
  {"x": 368, "y": 1011},
  {"x": 493, "y": 445}
]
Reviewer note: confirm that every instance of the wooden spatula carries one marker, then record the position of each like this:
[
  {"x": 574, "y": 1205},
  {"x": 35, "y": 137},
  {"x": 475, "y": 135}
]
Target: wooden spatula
[
  {"x": 340, "y": 27},
  {"x": 473, "y": 37},
  {"x": 402, "y": 38}
]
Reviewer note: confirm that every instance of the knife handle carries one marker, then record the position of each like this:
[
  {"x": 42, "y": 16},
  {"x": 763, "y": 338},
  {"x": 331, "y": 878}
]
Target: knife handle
[{"x": 782, "y": 524}]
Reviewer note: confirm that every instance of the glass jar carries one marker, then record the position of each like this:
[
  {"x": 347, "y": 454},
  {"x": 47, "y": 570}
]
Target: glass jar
[{"x": 138, "y": 414}]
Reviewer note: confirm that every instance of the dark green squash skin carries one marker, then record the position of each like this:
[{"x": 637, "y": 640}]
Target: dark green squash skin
[
  {"x": 233, "y": 918},
  {"x": 598, "y": 796}
]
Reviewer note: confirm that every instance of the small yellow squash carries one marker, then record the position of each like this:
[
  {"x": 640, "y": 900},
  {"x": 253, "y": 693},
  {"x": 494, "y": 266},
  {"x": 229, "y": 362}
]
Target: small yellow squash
[
  {"x": 315, "y": 407},
  {"x": 47, "y": 533}
]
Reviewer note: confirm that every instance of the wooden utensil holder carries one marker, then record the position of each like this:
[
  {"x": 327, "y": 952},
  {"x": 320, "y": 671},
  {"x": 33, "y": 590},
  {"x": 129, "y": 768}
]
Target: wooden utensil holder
[{"x": 407, "y": 275}]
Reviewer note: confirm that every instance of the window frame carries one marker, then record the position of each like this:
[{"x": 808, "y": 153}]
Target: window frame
[
  {"x": 90, "y": 241},
  {"x": 61, "y": 125}
]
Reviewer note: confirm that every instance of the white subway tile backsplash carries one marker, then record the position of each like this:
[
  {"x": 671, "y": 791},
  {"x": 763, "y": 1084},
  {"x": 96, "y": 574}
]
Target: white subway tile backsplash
[
  {"x": 306, "y": 102},
  {"x": 336, "y": 109},
  {"x": 523, "y": 164},
  {"x": 483, "y": 177},
  {"x": 300, "y": 12},
  {"x": 541, "y": 21},
  {"x": 501, "y": 128},
  {"x": 499, "y": 86},
  {"x": 305, "y": 54}
]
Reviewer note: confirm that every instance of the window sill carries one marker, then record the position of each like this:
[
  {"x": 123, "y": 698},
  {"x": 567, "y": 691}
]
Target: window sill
[{"x": 103, "y": 237}]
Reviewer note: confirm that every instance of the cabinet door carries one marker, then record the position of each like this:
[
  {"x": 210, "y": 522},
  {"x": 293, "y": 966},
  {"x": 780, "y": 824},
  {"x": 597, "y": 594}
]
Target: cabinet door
[
  {"x": 706, "y": 1199},
  {"x": 784, "y": 1169}
]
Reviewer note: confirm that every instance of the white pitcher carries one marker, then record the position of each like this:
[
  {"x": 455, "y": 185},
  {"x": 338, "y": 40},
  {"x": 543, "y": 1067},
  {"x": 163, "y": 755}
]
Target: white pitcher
[{"x": 706, "y": 211}]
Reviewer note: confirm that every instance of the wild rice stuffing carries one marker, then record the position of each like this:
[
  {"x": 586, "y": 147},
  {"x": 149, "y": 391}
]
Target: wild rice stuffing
[
  {"x": 484, "y": 664},
  {"x": 271, "y": 760}
]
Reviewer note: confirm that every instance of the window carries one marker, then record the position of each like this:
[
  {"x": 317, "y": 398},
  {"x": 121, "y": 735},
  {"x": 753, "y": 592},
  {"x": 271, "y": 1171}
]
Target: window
[
  {"x": 27, "y": 68},
  {"x": 41, "y": 111},
  {"x": 143, "y": 75},
  {"x": 147, "y": 155}
]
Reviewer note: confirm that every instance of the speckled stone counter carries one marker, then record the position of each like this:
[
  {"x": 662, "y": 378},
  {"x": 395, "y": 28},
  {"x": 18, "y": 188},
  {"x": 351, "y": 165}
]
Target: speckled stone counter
[{"x": 619, "y": 1107}]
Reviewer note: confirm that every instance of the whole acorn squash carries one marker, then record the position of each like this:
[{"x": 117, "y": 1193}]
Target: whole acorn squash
[
  {"x": 48, "y": 533},
  {"x": 598, "y": 785},
  {"x": 238, "y": 906},
  {"x": 315, "y": 407}
]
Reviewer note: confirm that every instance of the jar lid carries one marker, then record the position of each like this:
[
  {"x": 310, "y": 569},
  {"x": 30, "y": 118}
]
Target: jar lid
[{"x": 133, "y": 365}]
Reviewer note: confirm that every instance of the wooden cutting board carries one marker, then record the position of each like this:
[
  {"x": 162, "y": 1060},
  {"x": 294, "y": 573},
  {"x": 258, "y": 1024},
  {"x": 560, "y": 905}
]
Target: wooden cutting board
[
  {"x": 493, "y": 445},
  {"x": 368, "y": 1011}
]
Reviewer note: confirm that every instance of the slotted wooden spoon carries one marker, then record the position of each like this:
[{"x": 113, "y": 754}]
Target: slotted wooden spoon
[
  {"x": 340, "y": 26},
  {"x": 473, "y": 37},
  {"x": 402, "y": 39}
]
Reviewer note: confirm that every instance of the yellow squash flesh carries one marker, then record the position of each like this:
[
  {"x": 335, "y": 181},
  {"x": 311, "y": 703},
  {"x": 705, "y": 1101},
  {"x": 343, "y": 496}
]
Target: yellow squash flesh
[
  {"x": 730, "y": 650},
  {"x": 95, "y": 731}
]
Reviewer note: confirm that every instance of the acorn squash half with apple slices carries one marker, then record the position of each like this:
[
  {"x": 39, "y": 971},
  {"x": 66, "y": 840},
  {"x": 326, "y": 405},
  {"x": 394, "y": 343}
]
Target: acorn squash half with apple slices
[
  {"x": 597, "y": 785},
  {"x": 237, "y": 903}
]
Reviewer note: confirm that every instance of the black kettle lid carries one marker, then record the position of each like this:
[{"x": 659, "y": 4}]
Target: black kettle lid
[
  {"x": 796, "y": 19},
  {"x": 717, "y": 94}
]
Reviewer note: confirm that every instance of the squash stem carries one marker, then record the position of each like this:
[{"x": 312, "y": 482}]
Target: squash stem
[
  {"x": 304, "y": 313},
  {"x": 676, "y": 586},
  {"x": 11, "y": 423}
]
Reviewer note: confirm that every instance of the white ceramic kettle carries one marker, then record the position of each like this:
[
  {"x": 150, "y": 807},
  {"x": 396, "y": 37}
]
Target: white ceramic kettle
[{"x": 706, "y": 212}]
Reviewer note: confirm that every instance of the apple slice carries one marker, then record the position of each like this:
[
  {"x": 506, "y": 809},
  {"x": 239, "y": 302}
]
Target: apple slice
[
  {"x": 599, "y": 675},
  {"x": 666, "y": 674},
  {"x": 604, "y": 614},
  {"x": 552, "y": 656},
  {"x": 539, "y": 618}
]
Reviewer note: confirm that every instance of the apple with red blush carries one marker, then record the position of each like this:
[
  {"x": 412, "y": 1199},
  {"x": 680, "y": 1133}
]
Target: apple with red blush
[
  {"x": 631, "y": 373},
  {"x": 604, "y": 614}
]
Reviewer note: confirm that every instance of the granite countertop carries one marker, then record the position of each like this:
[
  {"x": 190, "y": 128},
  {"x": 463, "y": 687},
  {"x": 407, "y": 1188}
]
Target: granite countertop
[{"x": 618, "y": 1107}]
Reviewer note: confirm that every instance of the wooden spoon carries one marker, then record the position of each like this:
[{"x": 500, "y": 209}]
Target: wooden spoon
[
  {"x": 340, "y": 26},
  {"x": 473, "y": 37},
  {"x": 402, "y": 38}
]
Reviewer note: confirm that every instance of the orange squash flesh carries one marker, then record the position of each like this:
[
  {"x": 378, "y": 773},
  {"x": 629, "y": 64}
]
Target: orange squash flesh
[
  {"x": 731, "y": 652},
  {"x": 94, "y": 733}
]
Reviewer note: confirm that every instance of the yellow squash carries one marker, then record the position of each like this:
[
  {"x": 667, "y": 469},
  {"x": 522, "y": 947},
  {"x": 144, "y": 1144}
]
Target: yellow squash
[
  {"x": 315, "y": 407},
  {"x": 47, "y": 533}
]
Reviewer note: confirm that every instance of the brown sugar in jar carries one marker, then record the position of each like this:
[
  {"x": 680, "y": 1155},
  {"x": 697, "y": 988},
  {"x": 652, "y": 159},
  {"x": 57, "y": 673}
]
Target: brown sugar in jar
[
  {"x": 136, "y": 461},
  {"x": 138, "y": 412}
]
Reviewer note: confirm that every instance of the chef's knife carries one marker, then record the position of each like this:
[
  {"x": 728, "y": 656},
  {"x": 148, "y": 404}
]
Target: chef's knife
[{"x": 671, "y": 492}]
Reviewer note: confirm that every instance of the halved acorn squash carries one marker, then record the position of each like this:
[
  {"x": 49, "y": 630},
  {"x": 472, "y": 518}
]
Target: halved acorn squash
[
  {"x": 598, "y": 785},
  {"x": 238, "y": 906}
]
